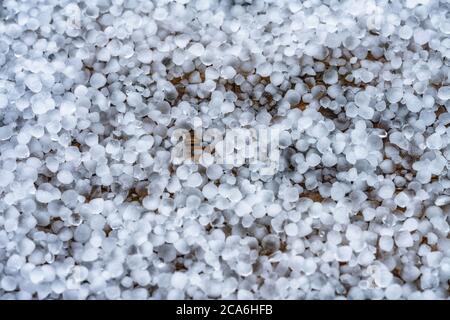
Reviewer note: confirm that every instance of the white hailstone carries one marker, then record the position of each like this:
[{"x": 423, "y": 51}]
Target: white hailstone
[
  {"x": 421, "y": 36},
  {"x": 144, "y": 143},
  {"x": 366, "y": 257},
  {"x": 193, "y": 202},
  {"x": 65, "y": 177},
  {"x": 353, "y": 233},
  {"x": 33, "y": 82},
  {"x": 227, "y": 107},
  {"x": 386, "y": 191},
  {"x": 314, "y": 50},
  {"x": 47, "y": 193},
  {"x": 264, "y": 69},
  {"x": 235, "y": 195},
  {"x": 179, "y": 280},
  {"x": 309, "y": 266},
  {"x": 291, "y": 229},
  {"x": 214, "y": 172},
  {"x": 402, "y": 199},
  {"x": 442, "y": 201},
  {"x": 3, "y": 101},
  {"x": 291, "y": 194},
  {"x": 228, "y": 72},
  {"x": 128, "y": 156},
  {"x": 337, "y": 191},
  {"x": 394, "y": 95},
  {"x": 434, "y": 141},
  {"x": 112, "y": 147},
  {"x": 329, "y": 159},
  {"x": 393, "y": 292},
  {"x": 5, "y": 132},
  {"x": 181, "y": 40},
  {"x": 405, "y": 32},
  {"x": 276, "y": 78},
  {"x": 112, "y": 292},
  {"x": 6, "y": 178},
  {"x": 445, "y": 26},
  {"x": 194, "y": 180},
  {"x": 145, "y": 56},
  {"x": 196, "y": 49},
  {"x": 72, "y": 154},
  {"x": 15, "y": 262},
  {"x": 382, "y": 277},
  {"x": 206, "y": 159},
  {"x": 8, "y": 283},
  {"x": 244, "y": 269},
  {"x": 82, "y": 233},
  {"x": 341, "y": 214},
  {"x": 330, "y": 77},
  {"x": 202, "y": 5},
  {"x": 404, "y": 239},
  {"x": 434, "y": 258},
  {"x": 91, "y": 140},
  {"x": 410, "y": 224},
  {"x": 273, "y": 209},
  {"x": 312, "y": 159},
  {"x": 134, "y": 99},
  {"x": 90, "y": 254},
  {"x": 386, "y": 243},
  {"x": 37, "y": 275},
  {"x": 243, "y": 294},
  {"x": 103, "y": 54},
  {"x": 243, "y": 208},
  {"x": 42, "y": 104},
  {"x": 160, "y": 13},
  {"x": 413, "y": 103},
  {"x": 97, "y": 80},
  {"x": 183, "y": 172},
  {"x": 292, "y": 97},
  {"x": 67, "y": 108},
  {"x": 344, "y": 253},
  {"x": 259, "y": 210},
  {"x": 26, "y": 247},
  {"x": 444, "y": 93},
  {"x": 362, "y": 99},
  {"x": 141, "y": 277},
  {"x": 366, "y": 76},
  {"x": 96, "y": 205},
  {"x": 178, "y": 57}
]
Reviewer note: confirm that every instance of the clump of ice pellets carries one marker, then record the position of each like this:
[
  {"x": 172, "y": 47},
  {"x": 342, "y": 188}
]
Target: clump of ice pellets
[{"x": 98, "y": 201}]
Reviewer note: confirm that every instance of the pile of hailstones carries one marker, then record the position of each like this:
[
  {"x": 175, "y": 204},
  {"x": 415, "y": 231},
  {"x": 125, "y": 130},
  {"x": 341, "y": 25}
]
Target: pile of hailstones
[{"x": 92, "y": 207}]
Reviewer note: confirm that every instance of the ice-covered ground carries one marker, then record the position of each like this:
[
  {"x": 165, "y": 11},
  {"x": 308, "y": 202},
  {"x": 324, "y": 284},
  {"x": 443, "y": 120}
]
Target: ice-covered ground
[{"x": 99, "y": 99}]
